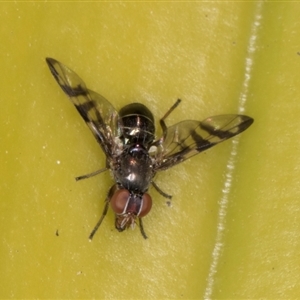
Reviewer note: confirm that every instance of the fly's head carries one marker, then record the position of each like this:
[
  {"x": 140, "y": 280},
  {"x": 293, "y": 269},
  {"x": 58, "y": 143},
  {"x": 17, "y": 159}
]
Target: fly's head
[{"x": 128, "y": 206}]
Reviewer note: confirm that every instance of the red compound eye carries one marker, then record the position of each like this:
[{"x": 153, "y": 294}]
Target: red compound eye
[
  {"x": 147, "y": 204},
  {"x": 123, "y": 202},
  {"x": 119, "y": 201}
]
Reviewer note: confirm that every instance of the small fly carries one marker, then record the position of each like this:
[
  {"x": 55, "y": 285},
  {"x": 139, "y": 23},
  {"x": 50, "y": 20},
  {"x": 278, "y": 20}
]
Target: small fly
[{"x": 133, "y": 155}]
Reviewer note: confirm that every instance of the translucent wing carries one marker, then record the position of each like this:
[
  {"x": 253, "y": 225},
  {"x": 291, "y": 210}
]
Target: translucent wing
[
  {"x": 97, "y": 112},
  {"x": 187, "y": 138}
]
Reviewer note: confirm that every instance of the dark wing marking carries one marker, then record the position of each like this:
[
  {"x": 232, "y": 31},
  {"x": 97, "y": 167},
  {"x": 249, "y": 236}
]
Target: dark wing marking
[
  {"x": 97, "y": 112},
  {"x": 187, "y": 138}
]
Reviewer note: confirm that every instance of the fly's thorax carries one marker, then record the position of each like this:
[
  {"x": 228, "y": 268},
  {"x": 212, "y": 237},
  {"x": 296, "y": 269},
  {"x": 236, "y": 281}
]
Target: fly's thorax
[
  {"x": 136, "y": 124},
  {"x": 134, "y": 170}
]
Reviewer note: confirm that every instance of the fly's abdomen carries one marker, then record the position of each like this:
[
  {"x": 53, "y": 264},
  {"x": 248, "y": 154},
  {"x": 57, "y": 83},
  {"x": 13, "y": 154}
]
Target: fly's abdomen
[{"x": 137, "y": 124}]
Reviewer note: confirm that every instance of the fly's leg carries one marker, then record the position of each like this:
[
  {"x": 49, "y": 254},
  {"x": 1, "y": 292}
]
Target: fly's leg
[
  {"x": 142, "y": 228},
  {"x": 91, "y": 174},
  {"x": 160, "y": 191},
  {"x": 100, "y": 221},
  {"x": 107, "y": 200},
  {"x": 162, "y": 120},
  {"x": 163, "y": 124}
]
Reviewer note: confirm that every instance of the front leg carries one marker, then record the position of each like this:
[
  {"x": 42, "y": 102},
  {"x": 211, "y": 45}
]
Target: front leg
[
  {"x": 107, "y": 200},
  {"x": 142, "y": 228}
]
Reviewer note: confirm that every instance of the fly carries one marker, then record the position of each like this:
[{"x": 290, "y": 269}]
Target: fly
[{"x": 133, "y": 155}]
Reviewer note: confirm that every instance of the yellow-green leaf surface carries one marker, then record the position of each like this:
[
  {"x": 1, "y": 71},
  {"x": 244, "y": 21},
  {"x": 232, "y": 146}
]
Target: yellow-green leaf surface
[{"x": 233, "y": 227}]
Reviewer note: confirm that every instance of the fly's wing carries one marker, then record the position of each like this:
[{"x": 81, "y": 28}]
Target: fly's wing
[
  {"x": 97, "y": 112},
  {"x": 188, "y": 138}
]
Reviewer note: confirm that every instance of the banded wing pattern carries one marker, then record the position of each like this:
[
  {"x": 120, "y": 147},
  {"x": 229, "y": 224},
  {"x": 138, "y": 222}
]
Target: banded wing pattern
[
  {"x": 132, "y": 155},
  {"x": 188, "y": 138},
  {"x": 97, "y": 112}
]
